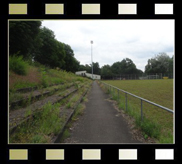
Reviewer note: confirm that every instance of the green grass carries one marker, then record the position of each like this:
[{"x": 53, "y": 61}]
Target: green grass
[
  {"x": 18, "y": 65},
  {"x": 79, "y": 111},
  {"x": 157, "y": 123},
  {"x": 46, "y": 123},
  {"x": 14, "y": 97},
  {"x": 41, "y": 127},
  {"x": 37, "y": 75},
  {"x": 158, "y": 91},
  {"x": 66, "y": 134}
]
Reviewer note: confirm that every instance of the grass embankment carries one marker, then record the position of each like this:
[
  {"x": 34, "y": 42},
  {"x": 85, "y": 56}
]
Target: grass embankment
[
  {"x": 44, "y": 126},
  {"x": 36, "y": 75},
  {"x": 46, "y": 123},
  {"x": 157, "y": 123}
]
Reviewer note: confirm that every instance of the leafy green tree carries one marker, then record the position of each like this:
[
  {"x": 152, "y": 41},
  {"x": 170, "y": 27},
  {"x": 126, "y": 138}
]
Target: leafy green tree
[
  {"x": 116, "y": 68},
  {"x": 26, "y": 38},
  {"x": 81, "y": 67},
  {"x": 139, "y": 71},
  {"x": 60, "y": 53},
  {"x": 96, "y": 68},
  {"x": 88, "y": 68},
  {"x": 22, "y": 37},
  {"x": 47, "y": 48},
  {"x": 69, "y": 55},
  {"x": 126, "y": 66},
  {"x": 75, "y": 65},
  {"x": 51, "y": 52},
  {"x": 106, "y": 71},
  {"x": 161, "y": 63},
  {"x": 130, "y": 67}
]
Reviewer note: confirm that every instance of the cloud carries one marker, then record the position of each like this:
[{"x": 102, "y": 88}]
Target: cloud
[{"x": 114, "y": 40}]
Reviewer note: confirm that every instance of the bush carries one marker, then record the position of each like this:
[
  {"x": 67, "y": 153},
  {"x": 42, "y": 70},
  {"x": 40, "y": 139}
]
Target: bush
[{"x": 18, "y": 65}]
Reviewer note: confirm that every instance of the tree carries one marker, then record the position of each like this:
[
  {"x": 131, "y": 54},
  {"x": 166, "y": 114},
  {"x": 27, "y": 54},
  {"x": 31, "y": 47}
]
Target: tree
[
  {"x": 68, "y": 58},
  {"x": 32, "y": 42},
  {"x": 22, "y": 37},
  {"x": 161, "y": 63},
  {"x": 60, "y": 53},
  {"x": 171, "y": 65},
  {"x": 88, "y": 68},
  {"x": 139, "y": 71},
  {"x": 96, "y": 68},
  {"x": 126, "y": 66},
  {"x": 81, "y": 68},
  {"x": 75, "y": 65},
  {"x": 106, "y": 72},
  {"x": 130, "y": 66},
  {"x": 47, "y": 51},
  {"x": 116, "y": 68}
]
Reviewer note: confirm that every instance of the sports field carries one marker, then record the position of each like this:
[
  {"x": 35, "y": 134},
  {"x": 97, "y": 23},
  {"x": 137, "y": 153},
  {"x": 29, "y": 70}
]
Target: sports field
[{"x": 158, "y": 91}]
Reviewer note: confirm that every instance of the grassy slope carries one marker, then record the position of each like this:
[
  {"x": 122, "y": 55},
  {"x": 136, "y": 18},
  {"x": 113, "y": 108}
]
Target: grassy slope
[
  {"x": 40, "y": 76},
  {"x": 48, "y": 122}
]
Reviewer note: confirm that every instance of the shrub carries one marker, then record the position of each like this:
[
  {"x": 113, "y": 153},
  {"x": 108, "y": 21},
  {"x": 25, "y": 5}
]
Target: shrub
[{"x": 18, "y": 65}]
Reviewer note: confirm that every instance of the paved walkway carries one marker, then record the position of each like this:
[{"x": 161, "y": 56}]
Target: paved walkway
[{"x": 101, "y": 122}]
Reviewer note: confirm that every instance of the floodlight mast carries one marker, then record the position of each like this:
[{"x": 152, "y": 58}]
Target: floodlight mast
[{"x": 91, "y": 58}]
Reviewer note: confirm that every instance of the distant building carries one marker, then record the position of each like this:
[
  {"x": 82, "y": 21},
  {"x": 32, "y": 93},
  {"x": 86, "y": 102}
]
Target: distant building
[{"x": 85, "y": 74}]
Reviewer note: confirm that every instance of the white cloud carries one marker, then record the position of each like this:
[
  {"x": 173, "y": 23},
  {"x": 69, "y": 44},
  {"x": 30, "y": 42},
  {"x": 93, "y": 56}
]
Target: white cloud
[{"x": 115, "y": 40}]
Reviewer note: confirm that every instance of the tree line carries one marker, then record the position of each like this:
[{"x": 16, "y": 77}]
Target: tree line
[
  {"x": 126, "y": 66},
  {"x": 34, "y": 42},
  {"x": 160, "y": 63}
]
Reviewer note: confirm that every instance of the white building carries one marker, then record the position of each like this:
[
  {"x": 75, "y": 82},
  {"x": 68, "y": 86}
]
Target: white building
[{"x": 84, "y": 73}]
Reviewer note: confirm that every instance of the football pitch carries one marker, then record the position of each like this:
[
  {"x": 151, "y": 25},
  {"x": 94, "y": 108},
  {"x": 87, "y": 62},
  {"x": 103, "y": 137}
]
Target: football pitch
[{"x": 158, "y": 91}]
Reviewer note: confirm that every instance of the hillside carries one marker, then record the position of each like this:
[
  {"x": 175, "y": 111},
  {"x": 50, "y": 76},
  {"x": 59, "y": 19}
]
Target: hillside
[{"x": 41, "y": 102}]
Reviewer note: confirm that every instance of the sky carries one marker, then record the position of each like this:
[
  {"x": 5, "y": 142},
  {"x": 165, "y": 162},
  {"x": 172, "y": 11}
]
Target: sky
[{"x": 115, "y": 40}]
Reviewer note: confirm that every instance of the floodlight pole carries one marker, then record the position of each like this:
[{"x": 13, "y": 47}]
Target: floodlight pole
[{"x": 91, "y": 58}]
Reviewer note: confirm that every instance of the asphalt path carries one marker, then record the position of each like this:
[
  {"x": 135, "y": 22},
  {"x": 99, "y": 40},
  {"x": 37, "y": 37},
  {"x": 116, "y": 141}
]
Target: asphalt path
[{"x": 101, "y": 122}]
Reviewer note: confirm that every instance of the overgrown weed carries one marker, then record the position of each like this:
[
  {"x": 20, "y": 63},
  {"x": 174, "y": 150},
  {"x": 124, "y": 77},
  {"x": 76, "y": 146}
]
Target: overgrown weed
[{"x": 18, "y": 65}]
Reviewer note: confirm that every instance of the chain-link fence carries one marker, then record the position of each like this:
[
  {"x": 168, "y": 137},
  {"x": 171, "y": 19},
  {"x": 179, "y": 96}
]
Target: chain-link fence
[{"x": 139, "y": 76}]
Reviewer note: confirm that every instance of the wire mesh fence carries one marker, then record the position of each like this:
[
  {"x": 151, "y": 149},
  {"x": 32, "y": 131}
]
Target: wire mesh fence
[{"x": 143, "y": 76}]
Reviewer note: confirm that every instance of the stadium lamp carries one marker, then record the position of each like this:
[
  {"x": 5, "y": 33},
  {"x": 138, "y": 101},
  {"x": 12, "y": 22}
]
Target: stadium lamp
[{"x": 91, "y": 58}]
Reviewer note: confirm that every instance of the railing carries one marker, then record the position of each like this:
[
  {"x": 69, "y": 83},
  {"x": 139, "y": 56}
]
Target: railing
[{"x": 142, "y": 99}]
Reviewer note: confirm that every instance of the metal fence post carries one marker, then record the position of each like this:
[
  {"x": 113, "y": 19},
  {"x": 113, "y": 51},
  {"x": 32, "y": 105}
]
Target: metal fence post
[
  {"x": 141, "y": 110},
  {"x": 126, "y": 100},
  {"x": 142, "y": 99},
  {"x": 118, "y": 94}
]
